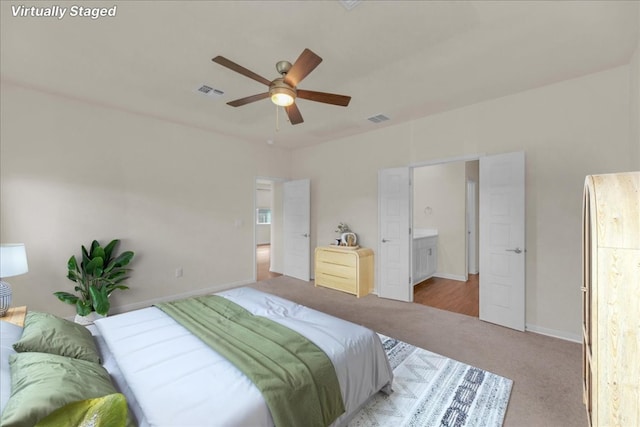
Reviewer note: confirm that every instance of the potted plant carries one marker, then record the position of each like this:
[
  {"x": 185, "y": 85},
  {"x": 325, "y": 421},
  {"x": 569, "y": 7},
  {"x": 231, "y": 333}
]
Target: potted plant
[
  {"x": 99, "y": 273},
  {"x": 342, "y": 228}
]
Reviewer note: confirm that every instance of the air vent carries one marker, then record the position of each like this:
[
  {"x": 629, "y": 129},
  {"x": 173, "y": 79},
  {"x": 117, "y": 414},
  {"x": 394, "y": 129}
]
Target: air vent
[
  {"x": 209, "y": 91},
  {"x": 378, "y": 118},
  {"x": 349, "y": 4}
]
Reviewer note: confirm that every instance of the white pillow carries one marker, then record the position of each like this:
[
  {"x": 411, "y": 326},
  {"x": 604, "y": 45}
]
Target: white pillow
[{"x": 9, "y": 333}]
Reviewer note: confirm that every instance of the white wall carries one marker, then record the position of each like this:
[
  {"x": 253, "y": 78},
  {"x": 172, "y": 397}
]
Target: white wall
[
  {"x": 177, "y": 196},
  {"x": 634, "y": 109},
  {"x": 71, "y": 172},
  {"x": 439, "y": 200},
  {"x": 568, "y": 130}
]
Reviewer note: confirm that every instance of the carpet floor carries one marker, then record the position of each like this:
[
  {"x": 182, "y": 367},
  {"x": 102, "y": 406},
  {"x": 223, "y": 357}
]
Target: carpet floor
[{"x": 546, "y": 372}]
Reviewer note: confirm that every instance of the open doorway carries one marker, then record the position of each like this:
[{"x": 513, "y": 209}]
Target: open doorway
[
  {"x": 501, "y": 236},
  {"x": 445, "y": 245},
  {"x": 267, "y": 218}
]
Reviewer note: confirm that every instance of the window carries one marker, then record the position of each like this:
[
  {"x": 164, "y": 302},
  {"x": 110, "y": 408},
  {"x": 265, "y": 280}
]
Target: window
[{"x": 263, "y": 216}]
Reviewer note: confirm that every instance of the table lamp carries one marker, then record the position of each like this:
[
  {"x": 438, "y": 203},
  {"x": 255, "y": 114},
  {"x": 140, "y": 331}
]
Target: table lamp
[{"x": 13, "y": 262}]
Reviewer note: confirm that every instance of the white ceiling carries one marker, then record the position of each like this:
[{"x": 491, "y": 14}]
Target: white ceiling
[{"x": 404, "y": 59}]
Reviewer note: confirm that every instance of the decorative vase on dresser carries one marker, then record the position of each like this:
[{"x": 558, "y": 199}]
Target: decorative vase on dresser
[{"x": 611, "y": 299}]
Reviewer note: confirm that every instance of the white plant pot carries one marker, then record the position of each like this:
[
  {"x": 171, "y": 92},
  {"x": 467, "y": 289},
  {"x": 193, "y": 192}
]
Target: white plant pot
[{"x": 87, "y": 320}]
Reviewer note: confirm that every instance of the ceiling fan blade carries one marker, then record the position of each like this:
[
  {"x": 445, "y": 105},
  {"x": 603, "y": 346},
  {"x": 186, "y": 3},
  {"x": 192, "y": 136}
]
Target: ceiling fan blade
[
  {"x": 253, "y": 98},
  {"x": 306, "y": 63},
  {"x": 240, "y": 69},
  {"x": 294, "y": 114},
  {"x": 327, "y": 98}
]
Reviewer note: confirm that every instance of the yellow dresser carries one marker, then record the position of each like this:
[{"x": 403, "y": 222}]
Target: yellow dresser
[{"x": 347, "y": 270}]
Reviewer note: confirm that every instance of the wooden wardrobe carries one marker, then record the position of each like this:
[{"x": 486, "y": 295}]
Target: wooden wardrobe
[{"x": 611, "y": 299}]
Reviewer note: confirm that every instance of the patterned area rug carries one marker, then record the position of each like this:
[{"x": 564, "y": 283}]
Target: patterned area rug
[{"x": 433, "y": 390}]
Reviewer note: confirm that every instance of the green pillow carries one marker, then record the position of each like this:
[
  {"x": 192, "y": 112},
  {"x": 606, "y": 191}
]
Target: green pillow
[
  {"x": 106, "y": 411},
  {"x": 42, "y": 383},
  {"x": 46, "y": 333}
]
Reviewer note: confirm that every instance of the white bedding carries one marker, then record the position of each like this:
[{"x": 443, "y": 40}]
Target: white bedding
[{"x": 177, "y": 380}]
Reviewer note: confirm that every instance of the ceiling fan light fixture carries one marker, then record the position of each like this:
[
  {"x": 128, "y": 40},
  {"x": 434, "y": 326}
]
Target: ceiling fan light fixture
[
  {"x": 281, "y": 99},
  {"x": 281, "y": 93}
]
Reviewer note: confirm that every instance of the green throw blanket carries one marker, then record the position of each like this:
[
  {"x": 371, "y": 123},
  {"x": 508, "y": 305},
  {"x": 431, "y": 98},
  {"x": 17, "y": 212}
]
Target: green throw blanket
[{"x": 295, "y": 377}]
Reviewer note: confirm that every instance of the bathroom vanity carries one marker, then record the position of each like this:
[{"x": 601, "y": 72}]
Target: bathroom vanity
[{"x": 425, "y": 254}]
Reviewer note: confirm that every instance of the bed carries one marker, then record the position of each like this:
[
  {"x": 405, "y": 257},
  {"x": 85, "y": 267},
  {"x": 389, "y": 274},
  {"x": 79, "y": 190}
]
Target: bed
[{"x": 172, "y": 378}]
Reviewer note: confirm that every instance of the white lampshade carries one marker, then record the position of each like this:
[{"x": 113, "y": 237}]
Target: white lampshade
[{"x": 13, "y": 260}]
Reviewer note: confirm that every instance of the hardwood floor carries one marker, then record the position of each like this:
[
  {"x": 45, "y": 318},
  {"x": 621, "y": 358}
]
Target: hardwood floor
[
  {"x": 451, "y": 295},
  {"x": 263, "y": 261}
]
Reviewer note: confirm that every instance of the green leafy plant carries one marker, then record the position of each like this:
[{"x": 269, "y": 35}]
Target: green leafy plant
[
  {"x": 98, "y": 274},
  {"x": 343, "y": 228}
]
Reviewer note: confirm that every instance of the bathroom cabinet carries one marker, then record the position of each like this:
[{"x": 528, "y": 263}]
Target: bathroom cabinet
[{"x": 425, "y": 255}]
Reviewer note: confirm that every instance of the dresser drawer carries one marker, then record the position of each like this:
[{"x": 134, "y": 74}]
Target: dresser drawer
[
  {"x": 338, "y": 270},
  {"x": 336, "y": 258},
  {"x": 336, "y": 282}
]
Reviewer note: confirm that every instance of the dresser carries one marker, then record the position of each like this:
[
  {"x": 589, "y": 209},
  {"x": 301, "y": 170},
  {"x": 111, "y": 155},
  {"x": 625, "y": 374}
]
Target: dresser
[
  {"x": 611, "y": 299},
  {"x": 347, "y": 270}
]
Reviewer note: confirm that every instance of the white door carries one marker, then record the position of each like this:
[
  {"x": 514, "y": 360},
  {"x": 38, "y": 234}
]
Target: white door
[
  {"x": 296, "y": 226},
  {"x": 502, "y": 240},
  {"x": 394, "y": 247}
]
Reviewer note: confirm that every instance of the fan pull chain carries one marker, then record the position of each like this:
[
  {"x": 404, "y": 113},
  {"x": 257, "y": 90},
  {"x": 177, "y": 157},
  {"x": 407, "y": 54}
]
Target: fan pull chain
[{"x": 277, "y": 121}]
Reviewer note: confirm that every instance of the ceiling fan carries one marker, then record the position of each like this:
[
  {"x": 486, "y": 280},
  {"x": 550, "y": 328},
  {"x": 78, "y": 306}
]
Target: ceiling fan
[{"x": 283, "y": 90}]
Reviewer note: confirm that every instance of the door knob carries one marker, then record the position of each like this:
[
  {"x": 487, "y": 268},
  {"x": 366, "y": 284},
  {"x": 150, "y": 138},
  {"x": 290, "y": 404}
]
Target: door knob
[
  {"x": 305, "y": 235},
  {"x": 516, "y": 250},
  {"x": 384, "y": 240}
]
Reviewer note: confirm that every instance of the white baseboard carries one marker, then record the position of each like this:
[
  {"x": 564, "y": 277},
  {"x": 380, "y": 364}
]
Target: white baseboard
[
  {"x": 563, "y": 335},
  {"x": 441, "y": 276},
  {"x": 197, "y": 292},
  {"x": 450, "y": 276}
]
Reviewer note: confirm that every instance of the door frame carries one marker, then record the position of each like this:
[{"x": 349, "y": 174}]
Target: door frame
[
  {"x": 255, "y": 219},
  {"x": 467, "y": 158},
  {"x": 435, "y": 162},
  {"x": 472, "y": 232}
]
